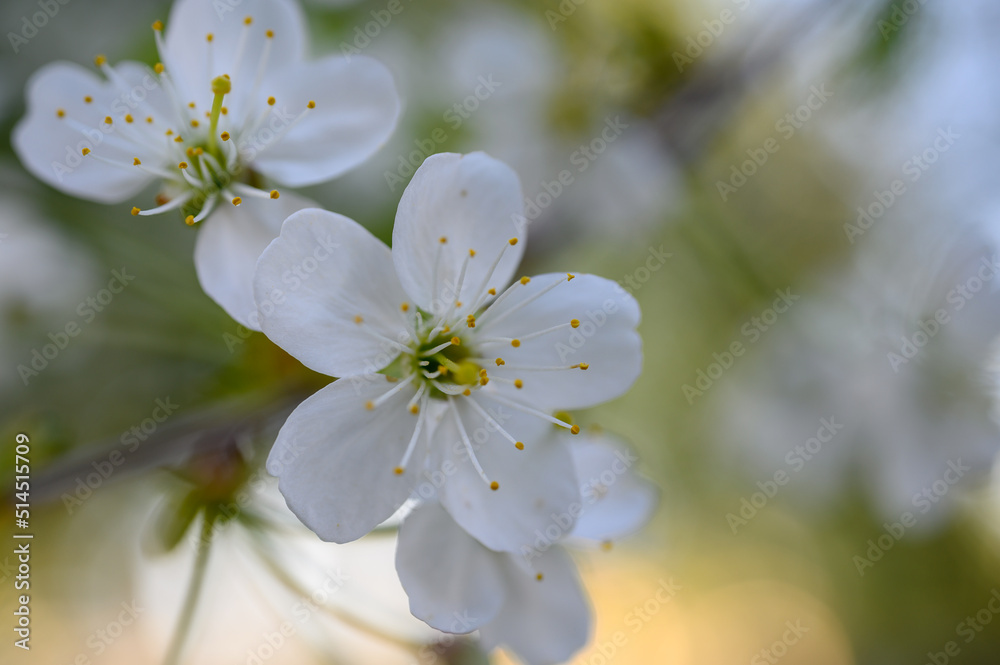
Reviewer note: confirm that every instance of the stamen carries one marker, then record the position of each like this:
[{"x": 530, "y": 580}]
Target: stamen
[
  {"x": 170, "y": 205},
  {"x": 468, "y": 444},
  {"x": 539, "y": 333},
  {"x": 534, "y": 412},
  {"x": 413, "y": 440},
  {"x": 395, "y": 389},
  {"x": 527, "y": 301},
  {"x": 486, "y": 416},
  {"x": 489, "y": 275}
]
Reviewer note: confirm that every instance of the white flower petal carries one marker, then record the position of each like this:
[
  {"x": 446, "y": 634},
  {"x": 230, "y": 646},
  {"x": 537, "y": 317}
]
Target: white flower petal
[
  {"x": 537, "y": 485},
  {"x": 356, "y": 110},
  {"x": 311, "y": 283},
  {"x": 617, "y": 501},
  {"x": 454, "y": 583},
  {"x": 475, "y": 202},
  {"x": 193, "y": 61},
  {"x": 51, "y": 147},
  {"x": 605, "y": 339},
  {"x": 335, "y": 459},
  {"x": 543, "y": 621},
  {"x": 230, "y": 242}
]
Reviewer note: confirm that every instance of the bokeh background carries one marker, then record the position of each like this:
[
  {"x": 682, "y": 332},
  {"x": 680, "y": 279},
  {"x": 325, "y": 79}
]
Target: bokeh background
[{"x": 802, "y": 195}]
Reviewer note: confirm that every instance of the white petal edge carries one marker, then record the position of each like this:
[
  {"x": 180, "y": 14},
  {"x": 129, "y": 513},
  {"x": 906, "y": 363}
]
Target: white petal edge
[{"x": 475, "y": 203}]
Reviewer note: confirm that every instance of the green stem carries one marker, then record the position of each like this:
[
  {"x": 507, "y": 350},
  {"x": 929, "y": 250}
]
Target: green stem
[{"x": 194, "y": 590}]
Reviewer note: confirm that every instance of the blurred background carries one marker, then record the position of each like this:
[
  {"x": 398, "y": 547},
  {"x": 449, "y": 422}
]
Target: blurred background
[{"x": 802, "y": 195}]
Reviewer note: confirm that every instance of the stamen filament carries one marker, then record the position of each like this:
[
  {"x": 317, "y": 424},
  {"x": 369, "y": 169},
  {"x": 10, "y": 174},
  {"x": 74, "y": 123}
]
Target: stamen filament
[
  {"x": 468, "y": 444},
  {"x": 530, "y": 411},
  {"x": 169, "y": 205}
]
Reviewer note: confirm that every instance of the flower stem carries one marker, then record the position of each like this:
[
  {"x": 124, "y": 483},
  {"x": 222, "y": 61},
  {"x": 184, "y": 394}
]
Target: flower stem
[{"x": 194, "y": 589}]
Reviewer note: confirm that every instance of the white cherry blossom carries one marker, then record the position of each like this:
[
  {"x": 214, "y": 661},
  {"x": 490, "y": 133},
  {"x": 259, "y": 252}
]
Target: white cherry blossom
[
  {"x": 449, "y": 380},
  {"x": 232, "y": 107}
]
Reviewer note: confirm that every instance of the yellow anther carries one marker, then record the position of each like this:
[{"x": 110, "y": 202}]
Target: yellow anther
[
  {"x": 443, "y": 370},
  {"x": 270, "y": 101},
  {"x": 225, "y": 110},
  {"x": 575, "y": 429},
  {"x": 570, "y": 277},
  {"x": 169, "y": 132},
  {"x": 311, "y": 104},
  {"x": 515, "y": 343},
  {"x": 248, "y": 20},
  {"x": 470, "y": 321},
  {"x": 208, "y": 114},
  {"x": 482, "y": 372},
  {"x": 518, "y": 383},
  {"x": 607, "y": 546},
  {"x": 149, "y": 119},
  {"x": 85, "y": 151},
  {"x": 209, "y": 37},
  {"x": 358, "y": 319},
  {"x": 443, "y": 239},
  {"x": 100, "y": 60},
  {"x": 179, "y": 139},
  {"x": 494, "y": 486},
  {"x": 458, "y": 303},
  {"x": 584, "y": 366},
  {"x": 467, "y": 392},
  {"x": 405, "y": 307},
  {"x": 492, "y": 292},
  {"x": 190, "y": 152},
  {"x": 158, "y": 68},
  {"x": 575, "y": 323},
  {"x": 224, "y": 136},
  {"x": 135, "y": 211},
  {"x": 88, "y": 99},
  {"x": 135, "y": 161},
  {"x": 269, "y": 34},
  {"x": 107, "y": 120},
  {"x": 398, "y": 470},
  {"x": 275, "y": 193},
  {"x": 194, "y": 123},
  {"x": 182, "y": 165},
  {"x": 524, "y": 280},
  {"x": 445, "y": 330},
  {"x": 237, "y": 200},
  {"x": 500, "y": 362},
  {"x": 60, "y": 113},
  {"x": 221, "y": 85},
  {"x": 369, "y": 405},
  {"x": 472, "y": 253},
  {"x": 158, "y": 25},
  {"x": 414, "y": 409},
  {"x": 189, "y": 220},
  {"x": 512, "y": 241},
  {"x": 191, "y": 105},
  {"x": 128, "y": 118},
  {"x": 456, "y": 341},
  {"x": 539, "y": 577},
  {"x": 519, "y": 445},
  {"x": 199, "y": 151},
  {"x": 483, "y": 380}
]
